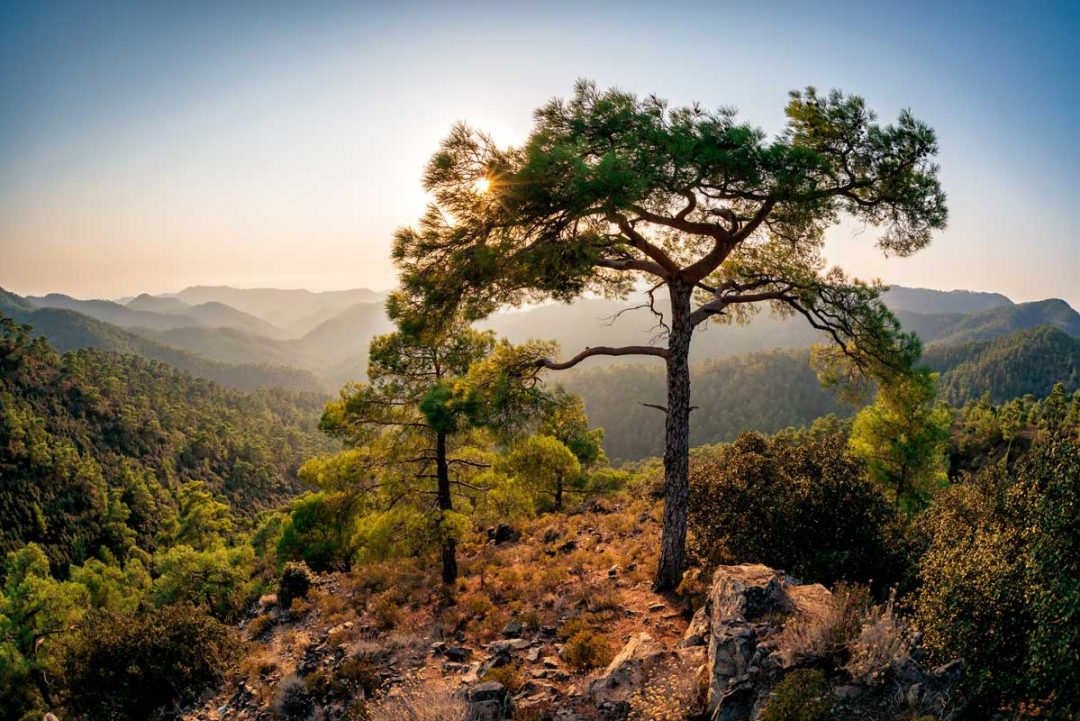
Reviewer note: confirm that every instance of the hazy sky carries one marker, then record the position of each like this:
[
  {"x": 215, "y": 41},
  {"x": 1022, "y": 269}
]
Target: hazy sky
[{"x": 149, "y": 148}]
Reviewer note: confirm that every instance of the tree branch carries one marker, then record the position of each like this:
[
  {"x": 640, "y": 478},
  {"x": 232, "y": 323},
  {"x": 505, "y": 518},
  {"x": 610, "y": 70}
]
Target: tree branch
[{"x": 603, "y": 350}]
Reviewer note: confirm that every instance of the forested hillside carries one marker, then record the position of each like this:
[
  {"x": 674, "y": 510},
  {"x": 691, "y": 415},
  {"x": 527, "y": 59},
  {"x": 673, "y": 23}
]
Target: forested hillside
[
  {"x": 769, "y": 391},
  {"x": 69, "y": 330},
  {"x": 96, "y": 444},
  {"x": 1030, "y": 361}
]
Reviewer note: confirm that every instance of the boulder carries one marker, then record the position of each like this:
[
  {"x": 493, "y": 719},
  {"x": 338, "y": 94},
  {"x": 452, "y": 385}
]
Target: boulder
[
  {"x": 489, "y": 702},
  {"x": 626, "y": 673}
]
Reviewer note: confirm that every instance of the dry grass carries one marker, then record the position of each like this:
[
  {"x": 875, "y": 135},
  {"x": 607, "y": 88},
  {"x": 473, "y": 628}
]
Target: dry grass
[
  {"x": 883, "y": 643},
  {"x": 827, "y": 633},
  {"x": 420, "y": 701},
  {"x": 673, "y": 695}
]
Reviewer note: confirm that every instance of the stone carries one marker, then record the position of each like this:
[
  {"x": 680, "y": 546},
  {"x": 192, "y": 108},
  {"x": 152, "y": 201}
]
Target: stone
[
  {"x": 512, "y": 629},
  {"x": 458, "y": 654},
  {"x": 656, "y": 607},
  {"x": 489, "y": 701},
  {"x": 745, "y": 593},
  {"x": 629, "y": 670},
  {"x": 533, "y": 655},
  {"x": 613, "y": 571}
]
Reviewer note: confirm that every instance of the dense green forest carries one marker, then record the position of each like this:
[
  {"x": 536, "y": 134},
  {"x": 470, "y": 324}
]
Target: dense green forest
[
  {"x": 95, "y": 446},
  {"x": 770, "y": 391}
]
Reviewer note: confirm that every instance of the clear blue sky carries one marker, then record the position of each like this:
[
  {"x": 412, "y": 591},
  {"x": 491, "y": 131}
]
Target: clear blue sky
[{"x": 145, "y": 147}]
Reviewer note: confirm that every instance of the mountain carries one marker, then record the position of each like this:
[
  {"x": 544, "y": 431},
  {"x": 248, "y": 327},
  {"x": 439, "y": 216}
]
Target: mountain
[
  {"x": 227, "y": 345},
  {"x": 295, "y": 311},
  {"x": 166, "y": 314},
  {"x": 1029, "y": 361},
  {"x": 344, "y": 338},
  {"x": 1001, "y": 321},
  {"x": 155, "y": 304},
  {"x": 924, "y": 300},
  {"x": 69, "y": 330}
]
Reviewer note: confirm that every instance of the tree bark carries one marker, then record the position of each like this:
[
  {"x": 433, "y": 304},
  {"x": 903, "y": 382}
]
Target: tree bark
[
  {"x": 672, "y": 563},
  {"x": 445, "y": 501}
]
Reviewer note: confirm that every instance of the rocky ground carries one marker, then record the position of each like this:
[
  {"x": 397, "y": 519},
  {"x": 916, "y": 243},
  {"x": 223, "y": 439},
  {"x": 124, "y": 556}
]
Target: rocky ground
[{"x": 556, "y": 621}]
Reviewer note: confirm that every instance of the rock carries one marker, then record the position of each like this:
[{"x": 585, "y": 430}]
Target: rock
[
  {"x": 628, "y": 671},
  {"x": 551, "y": 662},
  {"x": 613, "y": 571},
  {"x": 745, "y": 592},
  {"x": 569, "y": 546},
  {"x": 503, "y": 533},
  {"x": 533, "y": 655},
  {"x": 656, "y": 607},
  {"x": 458, "y": 654},
  {"x": 489, "y": 702},
  {"x": 736, "y": 704},
  {"x": 697, "y": 631},
  {"x": 518, "y": 644},
  {"x": 512, "y": 629}
]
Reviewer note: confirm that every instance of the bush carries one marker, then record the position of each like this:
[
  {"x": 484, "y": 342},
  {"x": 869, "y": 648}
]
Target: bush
[
  {"x": 801, "y": 696},
  {"x": 509, "y": 676},
  {"x": 588, "y": 649},
  {"x": 292, "y": 702},
  {"x": 127, "y": 666},
  {"x": 296, "y": 580},
  {"x": 1000, "y": 582},
  {"x": 799, "y": 504}
]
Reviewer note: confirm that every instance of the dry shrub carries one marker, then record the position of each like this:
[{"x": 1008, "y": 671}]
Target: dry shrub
[
  {"x": 420, "y": 701},
  {"x": 509, "y": 676},
  {"x": 673, "y": 695},
  {"x": 260, "y": 625},
  {"x": 822, "y": 635},
  {"x": 385, "y": 609},
  {"x": 588, "y": 649},
  {"x": 883, "y": 643}
]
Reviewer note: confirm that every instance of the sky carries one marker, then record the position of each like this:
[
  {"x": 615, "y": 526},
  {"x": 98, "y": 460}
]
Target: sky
[{"x": 146, "y": 146}]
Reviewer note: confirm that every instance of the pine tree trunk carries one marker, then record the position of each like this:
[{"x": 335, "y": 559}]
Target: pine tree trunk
[
  {"x": 445, "y": 502},
  {"x": 672, "y": 563}
]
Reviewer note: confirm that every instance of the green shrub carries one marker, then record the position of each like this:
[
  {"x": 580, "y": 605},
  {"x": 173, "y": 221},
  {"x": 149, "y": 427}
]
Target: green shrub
[
  {"x": 123, "y": 666},
  {"x": 801, "y": 696},
  {"x": 799, "y": 504},
  {"x": 1000, "y": 581},
  {"x": 296, "y": 580}
]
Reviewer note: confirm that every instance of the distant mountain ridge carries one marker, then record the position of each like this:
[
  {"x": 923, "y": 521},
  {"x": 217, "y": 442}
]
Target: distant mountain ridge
[
  {"x": 210, "y": 314},
  {"x": 926, "y": 300},
  {"x": 215, "y": 339},
  {"x": 70, "y": 330}
]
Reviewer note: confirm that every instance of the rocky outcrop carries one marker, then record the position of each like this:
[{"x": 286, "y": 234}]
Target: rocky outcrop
[
  {"x": 742, "y": 624},
  {"x": 737, "y": 646}
]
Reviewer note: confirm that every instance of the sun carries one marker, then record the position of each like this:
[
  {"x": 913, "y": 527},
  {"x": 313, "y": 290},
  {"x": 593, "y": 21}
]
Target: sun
[{"x": 483, "y": 185}]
